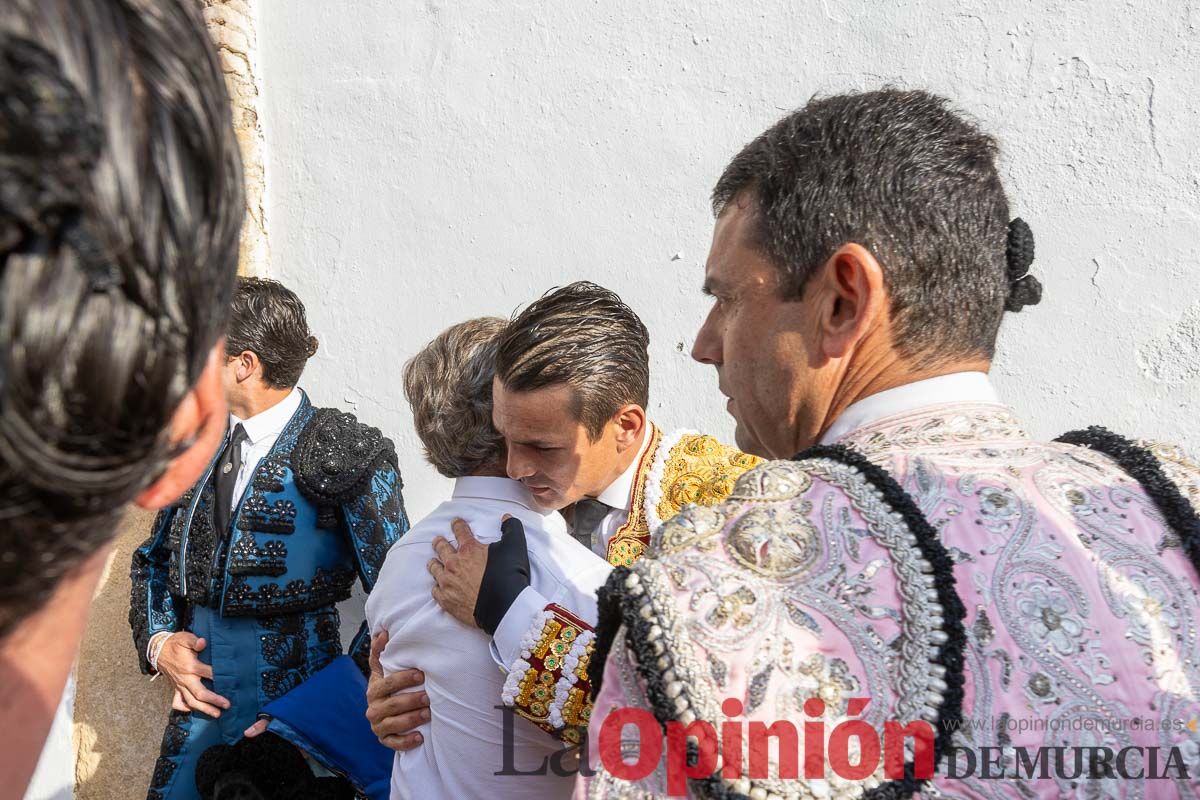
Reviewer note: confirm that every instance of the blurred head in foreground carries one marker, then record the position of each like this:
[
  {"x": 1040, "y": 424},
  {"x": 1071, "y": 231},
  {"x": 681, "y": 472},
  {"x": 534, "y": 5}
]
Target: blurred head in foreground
[{"x": 120, "y": 212}]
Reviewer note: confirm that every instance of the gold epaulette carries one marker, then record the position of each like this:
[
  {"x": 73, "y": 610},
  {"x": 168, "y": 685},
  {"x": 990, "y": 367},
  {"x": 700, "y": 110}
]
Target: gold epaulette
[
  {"x": 697, "y": 469},
  {"x": 686, "y": 467}
]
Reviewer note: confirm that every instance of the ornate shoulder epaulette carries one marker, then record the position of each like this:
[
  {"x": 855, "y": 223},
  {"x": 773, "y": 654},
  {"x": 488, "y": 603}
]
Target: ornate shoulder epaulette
[
  {"x": 334, "y": 458},
  {"x": 692, "y": 468},
  {"x": 647, "y": 609},
  {"x": 1157, "y": 478}
]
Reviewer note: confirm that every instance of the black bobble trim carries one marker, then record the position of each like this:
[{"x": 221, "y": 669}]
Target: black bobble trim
[{"x": 608, "y": 622}]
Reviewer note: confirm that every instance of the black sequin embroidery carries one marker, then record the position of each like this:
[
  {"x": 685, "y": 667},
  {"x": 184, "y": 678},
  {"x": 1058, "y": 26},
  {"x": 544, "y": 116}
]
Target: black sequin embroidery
[
  {"x": 245, "y": 558},
  {"x": 257, "y": 514},
  {"x": 326, "y": 587}
]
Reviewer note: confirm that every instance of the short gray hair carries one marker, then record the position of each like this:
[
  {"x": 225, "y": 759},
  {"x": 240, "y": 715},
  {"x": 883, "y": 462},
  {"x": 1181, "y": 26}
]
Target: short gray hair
[{"x": 449, "y": 386}]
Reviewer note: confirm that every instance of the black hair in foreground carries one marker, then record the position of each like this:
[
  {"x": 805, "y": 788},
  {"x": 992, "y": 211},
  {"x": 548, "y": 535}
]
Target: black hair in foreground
[{"x": 120, "y": 212}]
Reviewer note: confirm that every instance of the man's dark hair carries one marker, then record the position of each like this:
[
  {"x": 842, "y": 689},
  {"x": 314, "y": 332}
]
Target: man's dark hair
[
  {"x": 120, "y": 211},
  {"x": 903, "y": 175},
  {"x": 268, "y": 319},
  {"x": 585, "y": 337}
]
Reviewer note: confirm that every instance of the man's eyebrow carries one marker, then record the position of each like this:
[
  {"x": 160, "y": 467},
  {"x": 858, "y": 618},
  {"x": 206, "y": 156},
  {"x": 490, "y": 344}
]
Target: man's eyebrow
[
  {"x": 534, "y": 443},
  {"x": 712, "y": 286}
]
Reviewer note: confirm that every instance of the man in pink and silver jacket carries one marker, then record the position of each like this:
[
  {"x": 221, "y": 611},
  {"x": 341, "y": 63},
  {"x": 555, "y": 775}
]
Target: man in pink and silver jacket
[{"x": 916, "y": 597}]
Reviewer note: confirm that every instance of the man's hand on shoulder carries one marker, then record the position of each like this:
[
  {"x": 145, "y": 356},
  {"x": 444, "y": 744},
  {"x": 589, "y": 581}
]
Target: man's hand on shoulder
[
  {"x": 178, "y": 660},
  {"x": 458, "y": 572},
  {"x": 394, "y": 712},
  {"x": 476, "y": 583}
]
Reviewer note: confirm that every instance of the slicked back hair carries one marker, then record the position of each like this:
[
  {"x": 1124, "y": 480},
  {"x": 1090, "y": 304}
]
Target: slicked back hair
[
  {"x": 583, "y": 336},
  {"x": 120, "y": 211},
  {"x": 269, "y": 320},
  {"x": 449, "y": 386},
  {"x": 903, "y": 175}
]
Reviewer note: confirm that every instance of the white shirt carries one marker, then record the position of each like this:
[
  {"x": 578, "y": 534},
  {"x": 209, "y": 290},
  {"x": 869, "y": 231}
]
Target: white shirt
[
  {"x": 956, "y": 387},
  {"x": 54, "y": 778},
  {"x": 463, "y": 742},
  {"x": 262, "y": 431}
]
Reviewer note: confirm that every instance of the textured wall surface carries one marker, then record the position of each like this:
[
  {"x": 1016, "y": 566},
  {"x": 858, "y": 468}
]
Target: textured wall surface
[
  {"x": 433, "y": 161},
  {"x": 232, "y": 25}
]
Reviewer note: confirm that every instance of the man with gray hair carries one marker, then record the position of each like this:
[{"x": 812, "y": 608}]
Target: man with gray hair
[
  {"x": 449, "y": 385},
  {"x": 919, "y": 564}
]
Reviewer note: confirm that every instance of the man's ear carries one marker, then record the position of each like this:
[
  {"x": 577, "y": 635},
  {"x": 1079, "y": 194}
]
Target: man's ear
[
  {"x": 854, "y": 299},
  {"x": 200, "y": 420},
  {"x": 629, "y": 421},
  {"x": 248, "y": 365}
]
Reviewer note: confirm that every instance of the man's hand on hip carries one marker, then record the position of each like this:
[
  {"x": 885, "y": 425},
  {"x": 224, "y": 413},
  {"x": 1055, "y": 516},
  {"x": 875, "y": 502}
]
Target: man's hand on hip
[
  {"x": 394, "y": 713},
  {"x": 179, "y": 662}
]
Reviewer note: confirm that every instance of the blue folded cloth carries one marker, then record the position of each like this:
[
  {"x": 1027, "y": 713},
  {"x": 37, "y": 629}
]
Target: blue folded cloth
[{"x": 326, "y": 717}]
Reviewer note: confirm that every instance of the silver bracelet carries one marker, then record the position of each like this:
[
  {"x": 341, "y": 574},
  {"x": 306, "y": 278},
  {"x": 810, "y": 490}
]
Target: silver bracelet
[{"x": 156, "y": 650}]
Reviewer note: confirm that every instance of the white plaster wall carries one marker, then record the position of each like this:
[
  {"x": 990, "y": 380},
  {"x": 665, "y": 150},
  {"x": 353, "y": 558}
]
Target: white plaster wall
[{"x": 428, "y": 162}]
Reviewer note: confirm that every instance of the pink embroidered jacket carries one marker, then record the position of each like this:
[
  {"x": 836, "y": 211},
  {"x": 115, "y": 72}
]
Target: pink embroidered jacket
[{"x": 1080, "y": 629}]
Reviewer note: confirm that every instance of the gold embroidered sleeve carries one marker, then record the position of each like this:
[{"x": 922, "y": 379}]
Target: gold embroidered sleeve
[
  {"x": 699, "y": 469},
  {"x": 548, "y": 683}
]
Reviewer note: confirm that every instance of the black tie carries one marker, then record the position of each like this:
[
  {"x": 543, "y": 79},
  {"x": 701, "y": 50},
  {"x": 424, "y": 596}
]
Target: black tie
[
  {"x": 589, "y": 514},
  {"x": 228, "y": 468}
]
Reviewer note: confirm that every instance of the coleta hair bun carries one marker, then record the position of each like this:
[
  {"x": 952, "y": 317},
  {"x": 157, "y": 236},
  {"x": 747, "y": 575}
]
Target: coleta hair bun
[{"x": 1023, "y": 288}]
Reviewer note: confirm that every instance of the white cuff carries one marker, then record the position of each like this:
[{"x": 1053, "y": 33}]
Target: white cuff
[{"x": 523, "y": 614}]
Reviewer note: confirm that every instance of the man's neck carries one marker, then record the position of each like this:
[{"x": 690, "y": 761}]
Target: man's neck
[
  {"x": 496, "y": 470},
  {"x": 871, "y": 379},
  {"x": 255, "y": 402}
]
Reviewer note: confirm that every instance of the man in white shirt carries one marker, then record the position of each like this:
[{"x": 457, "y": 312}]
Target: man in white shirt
[
  {"x": 467, "y": 750},
  {"x": 234, "y": 592}
]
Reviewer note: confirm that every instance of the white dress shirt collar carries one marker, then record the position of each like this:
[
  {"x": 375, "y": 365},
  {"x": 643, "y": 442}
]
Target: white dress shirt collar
[
  {"x": 494, "y": 488},
  {"x": 619, "y": 493},
  {"x": 272, "y": 421},
  {"x": 957, "y": 387}
]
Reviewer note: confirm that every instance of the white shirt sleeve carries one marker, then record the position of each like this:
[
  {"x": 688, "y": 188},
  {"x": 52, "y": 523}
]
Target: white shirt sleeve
[{"x": 525, "y": 612}]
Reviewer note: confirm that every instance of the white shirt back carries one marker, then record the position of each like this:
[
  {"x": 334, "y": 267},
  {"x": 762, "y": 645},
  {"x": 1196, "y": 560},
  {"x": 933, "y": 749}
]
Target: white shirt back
[{"x": 463, "y": 743}]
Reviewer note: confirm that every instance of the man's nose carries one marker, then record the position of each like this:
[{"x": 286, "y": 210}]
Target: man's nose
[
  {"x": 707, "y": 347},
  {"x": 517, "y": 467}
]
